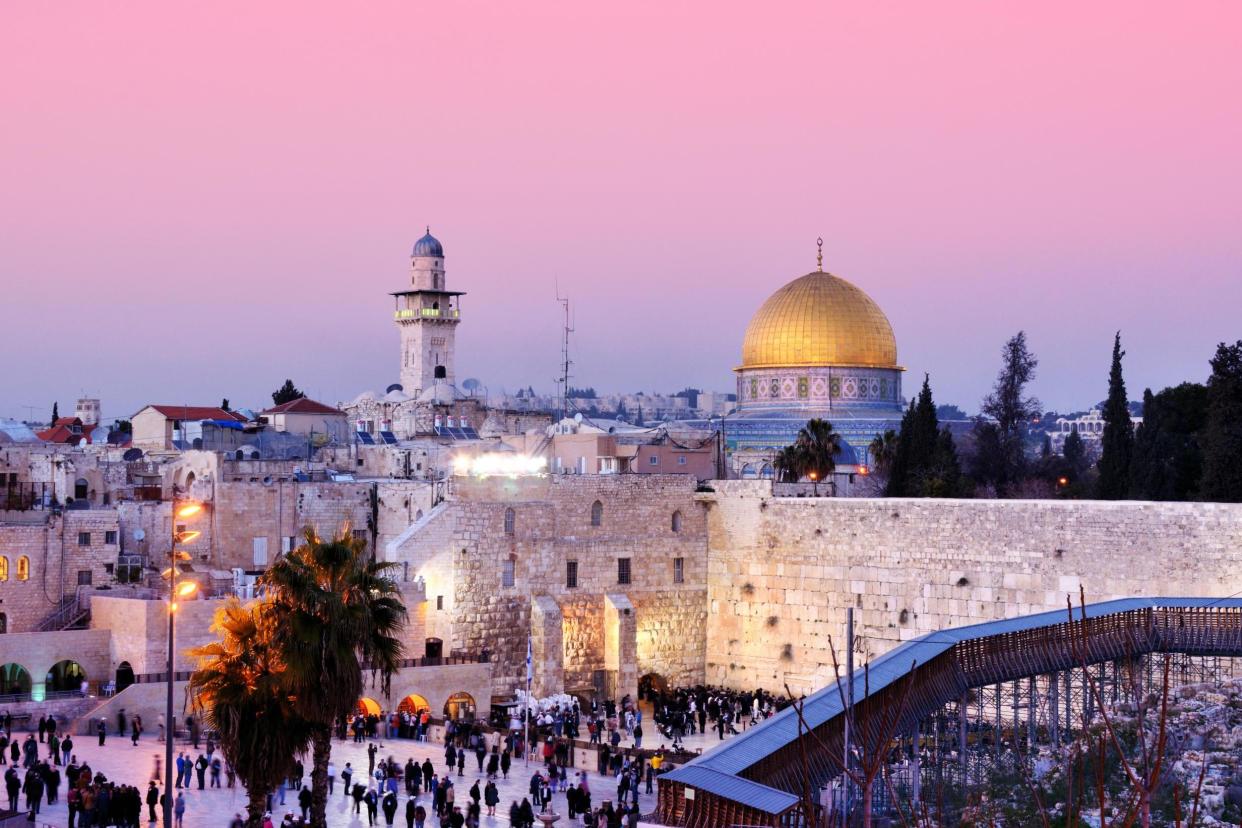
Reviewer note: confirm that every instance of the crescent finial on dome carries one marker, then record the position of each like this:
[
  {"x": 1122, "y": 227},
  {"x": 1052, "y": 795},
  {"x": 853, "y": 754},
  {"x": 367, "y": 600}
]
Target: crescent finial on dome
[{"x": 819, "y": 255}]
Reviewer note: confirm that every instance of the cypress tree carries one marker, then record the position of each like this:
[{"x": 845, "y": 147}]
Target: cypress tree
[
  {"x": 55, "y": 413},
  {"x": 916, "y": 464},
  {"x": 1075, "y": 453},
  {"x": 1167, "y": 462},
  {"x": 1222, "y": 433},
  {"x": 899, "y": 471},
  {"x": 1117, "y": 442}
]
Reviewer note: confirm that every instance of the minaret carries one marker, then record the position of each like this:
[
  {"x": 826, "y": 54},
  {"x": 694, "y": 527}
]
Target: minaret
[{"x": 427, "y": 316}]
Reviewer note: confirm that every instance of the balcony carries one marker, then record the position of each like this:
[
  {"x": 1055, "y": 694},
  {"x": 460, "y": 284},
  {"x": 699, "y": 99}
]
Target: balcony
[{"x": 426, "y": 313}]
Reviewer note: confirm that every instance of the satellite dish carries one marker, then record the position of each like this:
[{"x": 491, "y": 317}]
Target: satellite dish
[
  {"x": 132, "y": 454},
  {"x": 139, "y": 534},
  {"x": 578, "y": 417},
  {"x": 396, "y": 386},
  {"x": 470, "y": 385},
  {"x": 83, "y": 443}
]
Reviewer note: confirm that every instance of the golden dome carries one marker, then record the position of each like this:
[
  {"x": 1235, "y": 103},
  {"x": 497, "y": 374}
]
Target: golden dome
[{"x": 819, "y": 319}]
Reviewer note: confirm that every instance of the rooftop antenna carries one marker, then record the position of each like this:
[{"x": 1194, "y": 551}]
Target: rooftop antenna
[{"x": 563, "y": 381}]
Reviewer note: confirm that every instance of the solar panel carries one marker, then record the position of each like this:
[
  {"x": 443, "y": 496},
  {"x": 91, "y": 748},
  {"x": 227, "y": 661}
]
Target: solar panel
[
  {"x": 365, "y": 438},
  {"x": 389, "y": 438},
  {"x": 470, "y": 433}
]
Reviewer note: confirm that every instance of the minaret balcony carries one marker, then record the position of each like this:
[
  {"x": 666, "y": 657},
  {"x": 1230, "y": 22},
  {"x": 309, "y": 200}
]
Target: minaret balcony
[{"x": 426, "y": 313}]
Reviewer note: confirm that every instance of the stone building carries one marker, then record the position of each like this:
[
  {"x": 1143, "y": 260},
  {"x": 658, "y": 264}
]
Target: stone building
[{"x": 606, "y": 574}]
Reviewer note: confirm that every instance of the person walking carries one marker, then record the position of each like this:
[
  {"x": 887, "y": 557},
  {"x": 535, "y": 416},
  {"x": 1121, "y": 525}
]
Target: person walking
[
  {"x": 332, "y": 777},
  {"x": 200, "y": 768},
  {"x": 179, "y": 809},
  {"x": 13, "y": 785},
  {"x": 461, "y": 763},
  {"x": 357, "y": 793},
  {"x": 101, "y": 729},
  {"x": 153, "y": 799},
  {"x": 32, "y": 786},
  {"x": 390, "y": 808},
  {"x": 346, "y": 775},
  {"x": 304, "y": 802},
  {"x": 372, "y": 800},
  {"x": 491, "y": 798},
  {"x": 411, "y": 811}
]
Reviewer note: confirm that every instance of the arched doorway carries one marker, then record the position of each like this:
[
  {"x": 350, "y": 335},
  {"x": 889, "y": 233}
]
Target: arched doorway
[
  {"x": 413, "y": 703},
  {"x": 434, "y": 648},
  {"x": 651, "y": 685},
  {"x": 81, "y": 489},
  {"x": 65, "y": 676},
  {"x": 15, "y": 681},
  {"x": 367, "y": 707},
  {"x": 460, "y": 706},
  {"x": 124, "y": 676}
]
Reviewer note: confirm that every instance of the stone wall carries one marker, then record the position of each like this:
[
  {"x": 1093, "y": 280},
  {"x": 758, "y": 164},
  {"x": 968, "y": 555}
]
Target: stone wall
[
  {"x": 783, "y": 570},
  {"x": 61, "y": 551},
  {"x": 463, "y": 549}
]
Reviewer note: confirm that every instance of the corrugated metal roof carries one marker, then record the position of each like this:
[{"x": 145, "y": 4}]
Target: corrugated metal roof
[
  {"x": 758, "y": 742},
  {"x": 755, "y": 795}
]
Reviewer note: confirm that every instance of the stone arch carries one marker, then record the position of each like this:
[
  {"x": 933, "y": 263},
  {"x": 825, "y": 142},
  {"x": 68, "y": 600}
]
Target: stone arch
[
  {"x": 766, "y": 471},
  {"x": 676, "y": 522},
  {"x": 460, "y": 705},
  {"x": 189, "y": 480},
  {"x": 748, "y": 471},
  {"x": 65, "y": 676},
  {"x": 650, "y": 684},
  {"x": 597, "y": 514},
  {"x": 510, "y": 521},
  {"x": 367, "y": 707},
  {"x": 413, "y": 703},
  {"x": 14, "y": 680},
  {"x": 124, "y": 675}
]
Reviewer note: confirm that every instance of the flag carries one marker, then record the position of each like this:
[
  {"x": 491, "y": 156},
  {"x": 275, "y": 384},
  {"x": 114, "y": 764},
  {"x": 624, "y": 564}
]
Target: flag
[{"x": 530, "y": 672}]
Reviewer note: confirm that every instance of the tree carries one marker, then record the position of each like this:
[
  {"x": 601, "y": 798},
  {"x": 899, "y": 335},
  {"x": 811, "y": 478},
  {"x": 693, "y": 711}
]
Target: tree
[
  {"x": 124, "y": 426},
  {"x": 813, "y": 452},
  {"x": 1117, "y": 442},
  {"x": 819, "y": 446},
  {"x": 224, "y": 404},
  {"x": 239, "y": 690},
  {"x": 55, "y": 413},
  {"x": 286, "y": 393},
  {"x": 1168, "y": 462},
  {"x": 925, "y": 462},
  {"x": 1222, "y": 433},
  {"x": 339, "y": 613},
  {"x": 1075, "y": 453},
  {"x": 1000, "y": 456},
  {"x": 951, "y": 412},
  {"x": 883, "y": 450}
]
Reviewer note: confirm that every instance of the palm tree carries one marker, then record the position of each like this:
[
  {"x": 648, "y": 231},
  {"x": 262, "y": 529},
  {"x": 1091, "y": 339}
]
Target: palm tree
[
  {"x": 790, "y": 463},
  {"x": 239, "y": 690},
  {"x": 819, "y": 445},
  {"x": 883, "y": 449},
  {"x": 338, "y": 614}
]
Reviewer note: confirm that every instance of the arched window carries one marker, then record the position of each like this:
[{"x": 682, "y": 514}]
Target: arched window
[
  {"x": 510, "y": 521},
  {"x": 4, "y": 623},
  {"x": 80, "y": 489},
  {"x": 597, "y": 514},
  {"x": 677, "y": 521},
  {"x": 748, "y": 471},
  {"x": 4, "y": 567},
  {"x": 23, "y": 568},
  {"x": 766, "y": 471}
]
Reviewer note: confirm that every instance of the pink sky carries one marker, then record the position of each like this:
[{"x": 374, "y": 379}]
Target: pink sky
[{"x": 198, "y": 203}]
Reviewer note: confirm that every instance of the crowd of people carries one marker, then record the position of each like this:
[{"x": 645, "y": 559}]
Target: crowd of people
[{"x": 459, "y": 793}]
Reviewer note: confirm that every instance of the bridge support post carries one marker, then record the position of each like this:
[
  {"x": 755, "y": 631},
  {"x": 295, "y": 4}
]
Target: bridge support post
[
  {"x": 961, "y": 735},
  {"x": 1054, "y": 710}
]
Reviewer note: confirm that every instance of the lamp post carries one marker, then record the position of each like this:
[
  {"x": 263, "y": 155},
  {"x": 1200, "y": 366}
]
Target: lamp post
[
  {"x": 814, "y": 475},
  {"x": 181, "y": 510}
]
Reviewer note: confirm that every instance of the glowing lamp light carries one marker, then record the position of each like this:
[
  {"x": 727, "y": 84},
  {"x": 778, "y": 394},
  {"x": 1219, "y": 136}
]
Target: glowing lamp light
[
  {"x": 186, "y": 588},
  {"x": 189, "y": 510},
  {"x": 863, "y": 470},
  {"x": 1062, "y": 481},
  {"x": 814, "y": 476},
  {"x": 187, "y": 537},
  {"x": 499, "y": 465}
]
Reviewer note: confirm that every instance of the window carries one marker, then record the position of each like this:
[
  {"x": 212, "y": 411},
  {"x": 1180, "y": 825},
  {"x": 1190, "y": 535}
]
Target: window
[
  {"x": 110, "y": 537},
  {"x": 571, "y": 574},
  {"x": 360, "y": 534},
  {"x": 84, "y": 538},
  {"x": 679, "y": 570},
  {"x": 676, "y": 521},
  {"x": 597, "y": 514},
  {"x": 510, "y": 520},
  {"x": 84, "y": 577},
  {"x": 439, "y": 602},
  {"x": 653, "y": 460},
  {"x": 288, "y": 544},
  {"x": 623, "y": 570},
  {"x": 259, "y": 549},
  {"x": 4, "y": 568},
  {"x": 681, "y": 459},
  {"x": 506, "y": 573},
  {"x": 23, "y": 568}
]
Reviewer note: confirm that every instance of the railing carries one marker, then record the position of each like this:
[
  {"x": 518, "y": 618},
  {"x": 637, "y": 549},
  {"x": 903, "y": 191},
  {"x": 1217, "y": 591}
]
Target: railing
[
  {"x": 69, "y": 612},
  {"x": 433, "y": 313}
]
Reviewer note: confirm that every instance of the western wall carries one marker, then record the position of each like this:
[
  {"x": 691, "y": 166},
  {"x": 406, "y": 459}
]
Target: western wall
[
  {"x": 782, "y": 571},
  {"x": 766, "y": 580}
]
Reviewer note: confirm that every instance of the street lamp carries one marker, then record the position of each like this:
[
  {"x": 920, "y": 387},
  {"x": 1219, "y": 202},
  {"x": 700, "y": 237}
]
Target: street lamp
[
  {"x": 814, "y": 475},
  {"x": 181, "y": 510}
]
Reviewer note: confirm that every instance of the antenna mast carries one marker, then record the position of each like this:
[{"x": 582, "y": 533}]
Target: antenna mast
[{"x": 563, "y": 381}]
